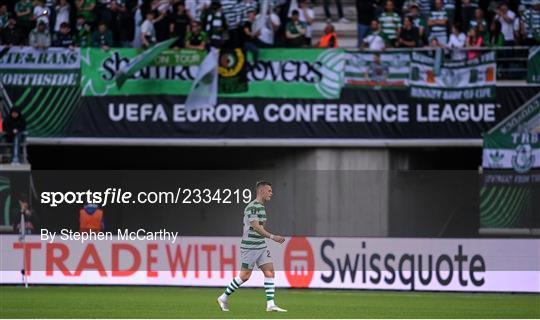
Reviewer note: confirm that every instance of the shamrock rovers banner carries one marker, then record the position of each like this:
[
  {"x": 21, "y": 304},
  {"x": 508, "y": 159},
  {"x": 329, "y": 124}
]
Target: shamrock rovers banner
[
  {"x": 292, "y": 73},
  {"x": 171, "y": 72},
  {"x": 462, "y": 80},
  {"x": 515, "y": 142},
  {"x": 518, "y": 151},
  {"x": 511, "y": 187}
]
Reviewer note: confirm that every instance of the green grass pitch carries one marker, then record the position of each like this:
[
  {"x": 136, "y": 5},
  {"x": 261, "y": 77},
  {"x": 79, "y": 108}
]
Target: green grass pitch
[{"x": 174, "y": 302}]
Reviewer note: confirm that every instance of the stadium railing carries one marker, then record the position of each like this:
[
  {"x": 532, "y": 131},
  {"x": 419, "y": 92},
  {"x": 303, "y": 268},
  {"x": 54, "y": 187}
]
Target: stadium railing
[{"x": 6, "y": 151}]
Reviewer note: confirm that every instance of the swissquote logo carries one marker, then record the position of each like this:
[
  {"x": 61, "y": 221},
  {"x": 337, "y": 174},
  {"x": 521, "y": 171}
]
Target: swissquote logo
[{"x": 299, "y": 262}]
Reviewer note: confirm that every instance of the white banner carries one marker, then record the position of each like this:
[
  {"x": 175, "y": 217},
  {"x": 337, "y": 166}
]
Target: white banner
[
  {"x": 455, "y": 80},
  {"x": 384, "y": 69},
  {"x": 30, "y": 58},
  {"x": 503, "y": 265},
  {"x": 27, "y": 66},
  {"x": 204, "y": 89},
  {"x": 521, "y": 159}
]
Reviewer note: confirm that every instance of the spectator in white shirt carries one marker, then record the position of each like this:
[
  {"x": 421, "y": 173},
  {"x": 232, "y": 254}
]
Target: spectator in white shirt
[
  {"x": 196, "y": 7},
  {"x": 374, "y": 40},
  {"x": 41, "y": 13},
  {"x": 269, "y": 28},
  {"x": 62, "y": 14},
  {"x": 457, "y": 43},
  {"x": 506, "y": 17},
  {"x": 148, "y": 33},
  {"x": 39, "y": 37}
]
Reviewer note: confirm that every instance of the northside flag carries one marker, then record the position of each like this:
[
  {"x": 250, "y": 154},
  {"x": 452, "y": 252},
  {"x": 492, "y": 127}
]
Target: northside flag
[
  {"x": 141, "y": 61},
  {"x": 204, "y": 90}
]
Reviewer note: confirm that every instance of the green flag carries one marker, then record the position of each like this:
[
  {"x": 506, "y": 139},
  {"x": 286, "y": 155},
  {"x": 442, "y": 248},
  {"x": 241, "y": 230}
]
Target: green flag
[
  {"x": 142, "y": 61},
  {"x": 533, "y": 65},
  {"x": 232, "y": 71}
]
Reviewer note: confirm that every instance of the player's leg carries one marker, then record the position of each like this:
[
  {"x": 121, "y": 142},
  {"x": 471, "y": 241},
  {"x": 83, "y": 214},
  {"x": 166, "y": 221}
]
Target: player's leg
[
  {"x": 267, "y": 267},
  {"x": 232, "y": 287},
  {"x": 248, "y": 262}
]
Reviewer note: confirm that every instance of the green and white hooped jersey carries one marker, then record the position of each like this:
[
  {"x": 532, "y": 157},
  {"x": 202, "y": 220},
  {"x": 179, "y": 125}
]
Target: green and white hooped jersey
[
  {"x": 251, "y": 240},
  {"x": 438, "y": 30}
]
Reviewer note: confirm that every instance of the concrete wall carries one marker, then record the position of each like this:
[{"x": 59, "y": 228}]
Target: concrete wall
[
  {"x": 334, "y": 192},
  {"x": 318, "y": 192},
  {"x": 434, "y": 203}
]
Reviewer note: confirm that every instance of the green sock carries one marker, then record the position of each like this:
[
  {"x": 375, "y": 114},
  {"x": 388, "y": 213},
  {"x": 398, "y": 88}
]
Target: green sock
[
  {"x": 270, "y": 289},
  {"x": 235, "y": 284}
]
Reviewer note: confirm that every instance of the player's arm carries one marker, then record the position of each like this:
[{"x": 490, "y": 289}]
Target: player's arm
[{"x": 260, "y": 230}]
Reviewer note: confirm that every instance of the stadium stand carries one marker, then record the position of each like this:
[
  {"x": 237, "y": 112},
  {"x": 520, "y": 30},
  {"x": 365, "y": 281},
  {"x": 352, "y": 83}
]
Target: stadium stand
[{"x": 498, "y": 23}]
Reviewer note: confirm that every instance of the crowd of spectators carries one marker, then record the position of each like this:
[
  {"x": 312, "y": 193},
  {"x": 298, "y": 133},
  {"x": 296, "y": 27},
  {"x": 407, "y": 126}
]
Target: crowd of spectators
[
  {"x": 199, "y": 24},
  {"x": 447, "y": 24},
  {"x": 141, "y": 23}
]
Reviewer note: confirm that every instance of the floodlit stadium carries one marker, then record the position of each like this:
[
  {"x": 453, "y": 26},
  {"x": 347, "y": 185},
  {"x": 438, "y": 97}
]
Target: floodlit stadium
[{"x": 270, "y": 159}]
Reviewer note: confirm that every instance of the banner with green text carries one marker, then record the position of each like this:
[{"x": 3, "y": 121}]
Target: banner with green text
[
  {"x": 470, "y": 79},
  {"x": 292, "y": 73},
  {"x": 44, "y": 84},
  {"x": 511, "y": 185},
  {"x": 515, "y": 142},
  {"x": 27, "y": 66}
]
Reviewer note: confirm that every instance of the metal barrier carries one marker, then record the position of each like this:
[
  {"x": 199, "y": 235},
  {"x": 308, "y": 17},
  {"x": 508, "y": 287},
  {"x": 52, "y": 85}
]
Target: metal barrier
[
  {"x": 6, "y": 149},
  {"x": 6, "y": 152}
]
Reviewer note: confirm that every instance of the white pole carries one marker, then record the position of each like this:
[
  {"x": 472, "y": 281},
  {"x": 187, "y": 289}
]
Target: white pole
[
  {"x": 23, "y": 241},
  {"x": 3, "y": 93}
]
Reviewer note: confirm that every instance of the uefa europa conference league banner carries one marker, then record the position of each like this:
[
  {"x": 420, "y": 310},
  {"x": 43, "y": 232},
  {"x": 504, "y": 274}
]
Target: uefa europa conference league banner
[
  {"x": 294, "y": 93},
  {"x": 351, "y": 263},
  {"x": 359, "y": 113}
]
